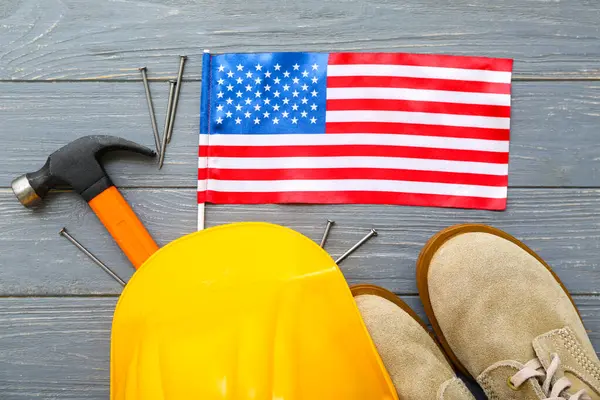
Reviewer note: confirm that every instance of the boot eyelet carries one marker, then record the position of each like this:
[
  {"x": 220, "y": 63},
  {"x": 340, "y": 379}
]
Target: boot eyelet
[{"x": 512, "y": 386}]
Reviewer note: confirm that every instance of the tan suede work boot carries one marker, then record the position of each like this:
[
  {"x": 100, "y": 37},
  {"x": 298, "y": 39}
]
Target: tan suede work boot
[
  {"x": 417, "y": 366},
  {"x": 504, "y": 317}
]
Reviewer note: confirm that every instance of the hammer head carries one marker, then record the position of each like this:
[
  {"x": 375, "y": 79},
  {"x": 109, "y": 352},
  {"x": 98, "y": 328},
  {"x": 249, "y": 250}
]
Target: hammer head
[{"x": 77, "y": 165}]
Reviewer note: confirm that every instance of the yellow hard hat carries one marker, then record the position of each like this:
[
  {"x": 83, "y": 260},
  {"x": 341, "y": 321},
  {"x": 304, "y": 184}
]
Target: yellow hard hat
[{"x": 240, "y": 312}]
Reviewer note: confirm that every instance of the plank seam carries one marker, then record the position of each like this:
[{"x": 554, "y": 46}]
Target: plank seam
[
  {"x": 516, "y": 78},
  {"x": 117, "y": 295},
  {"x": 7, "y": 189}
]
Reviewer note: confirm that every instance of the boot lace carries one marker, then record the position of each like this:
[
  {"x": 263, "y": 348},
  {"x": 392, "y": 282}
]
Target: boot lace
[{"x": 553, "y": 391}]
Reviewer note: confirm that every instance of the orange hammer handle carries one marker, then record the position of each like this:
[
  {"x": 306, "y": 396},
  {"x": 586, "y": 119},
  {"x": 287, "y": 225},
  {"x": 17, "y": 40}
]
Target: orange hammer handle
[{"x": 124, "y": 226}]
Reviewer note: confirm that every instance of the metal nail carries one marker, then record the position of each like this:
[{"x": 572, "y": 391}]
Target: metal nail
[
  {"x": 356, "y": 246},
  {"x": 63, "y": 232},
  {"x": 150, "y": 108},
  {"x": 176, "y": 101},
  {"x": 163, "y": 148},
  {"x": 330, "y": 223}
]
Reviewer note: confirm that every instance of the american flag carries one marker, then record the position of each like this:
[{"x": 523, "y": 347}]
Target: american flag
[{"x": 386, "y": 128}]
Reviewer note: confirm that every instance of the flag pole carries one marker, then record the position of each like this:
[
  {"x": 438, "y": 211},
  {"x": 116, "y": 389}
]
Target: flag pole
[
  {"x": 204, "y": 134},
  {"x": 201, "y": 208}
]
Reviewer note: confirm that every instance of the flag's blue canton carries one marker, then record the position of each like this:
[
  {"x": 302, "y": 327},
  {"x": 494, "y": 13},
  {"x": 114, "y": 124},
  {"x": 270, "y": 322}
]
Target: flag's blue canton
[{"x": 267, "y": 93}]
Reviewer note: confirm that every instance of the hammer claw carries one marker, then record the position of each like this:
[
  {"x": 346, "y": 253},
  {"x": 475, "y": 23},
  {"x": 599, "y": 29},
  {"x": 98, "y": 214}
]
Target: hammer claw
[{"x": 113, "y": 143}]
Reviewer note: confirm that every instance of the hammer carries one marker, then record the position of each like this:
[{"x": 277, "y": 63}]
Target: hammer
[{"x": 77, "y": 165}]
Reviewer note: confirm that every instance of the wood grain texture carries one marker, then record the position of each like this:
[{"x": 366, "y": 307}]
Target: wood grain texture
[
  {"x": 554, "y": 130},
  {"x": 563, "y": 225},
  {"x": 59, "y": 348},
  {"x": 69, "y": 68},
  {"x": 89, "y": 39}
]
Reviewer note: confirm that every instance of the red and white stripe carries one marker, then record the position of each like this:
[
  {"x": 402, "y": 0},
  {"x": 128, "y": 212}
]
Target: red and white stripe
[{"x": 400, "y": 129}]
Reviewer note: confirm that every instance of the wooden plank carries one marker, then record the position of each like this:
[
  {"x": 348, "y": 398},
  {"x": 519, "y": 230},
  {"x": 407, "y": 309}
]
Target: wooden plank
[
  {"x": 40, "y": 118},
  {"x": 563, "y": 225},
  {"x": 58, "y": 348},
  {"x": 554, "y": 130},
  {"x": 74, "y": 39},
  {"x": 53, "y": 348}
]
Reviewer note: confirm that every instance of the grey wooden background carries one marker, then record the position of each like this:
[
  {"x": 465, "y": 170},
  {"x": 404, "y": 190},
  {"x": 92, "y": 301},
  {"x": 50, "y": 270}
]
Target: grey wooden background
[{"x": 68, "y": 68}]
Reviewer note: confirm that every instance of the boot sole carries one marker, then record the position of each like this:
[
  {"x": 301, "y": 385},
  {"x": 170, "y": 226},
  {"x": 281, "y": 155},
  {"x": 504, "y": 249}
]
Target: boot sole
[
  {"x": 365, "y": 289},
  {"x": 424, "y": 260}
]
